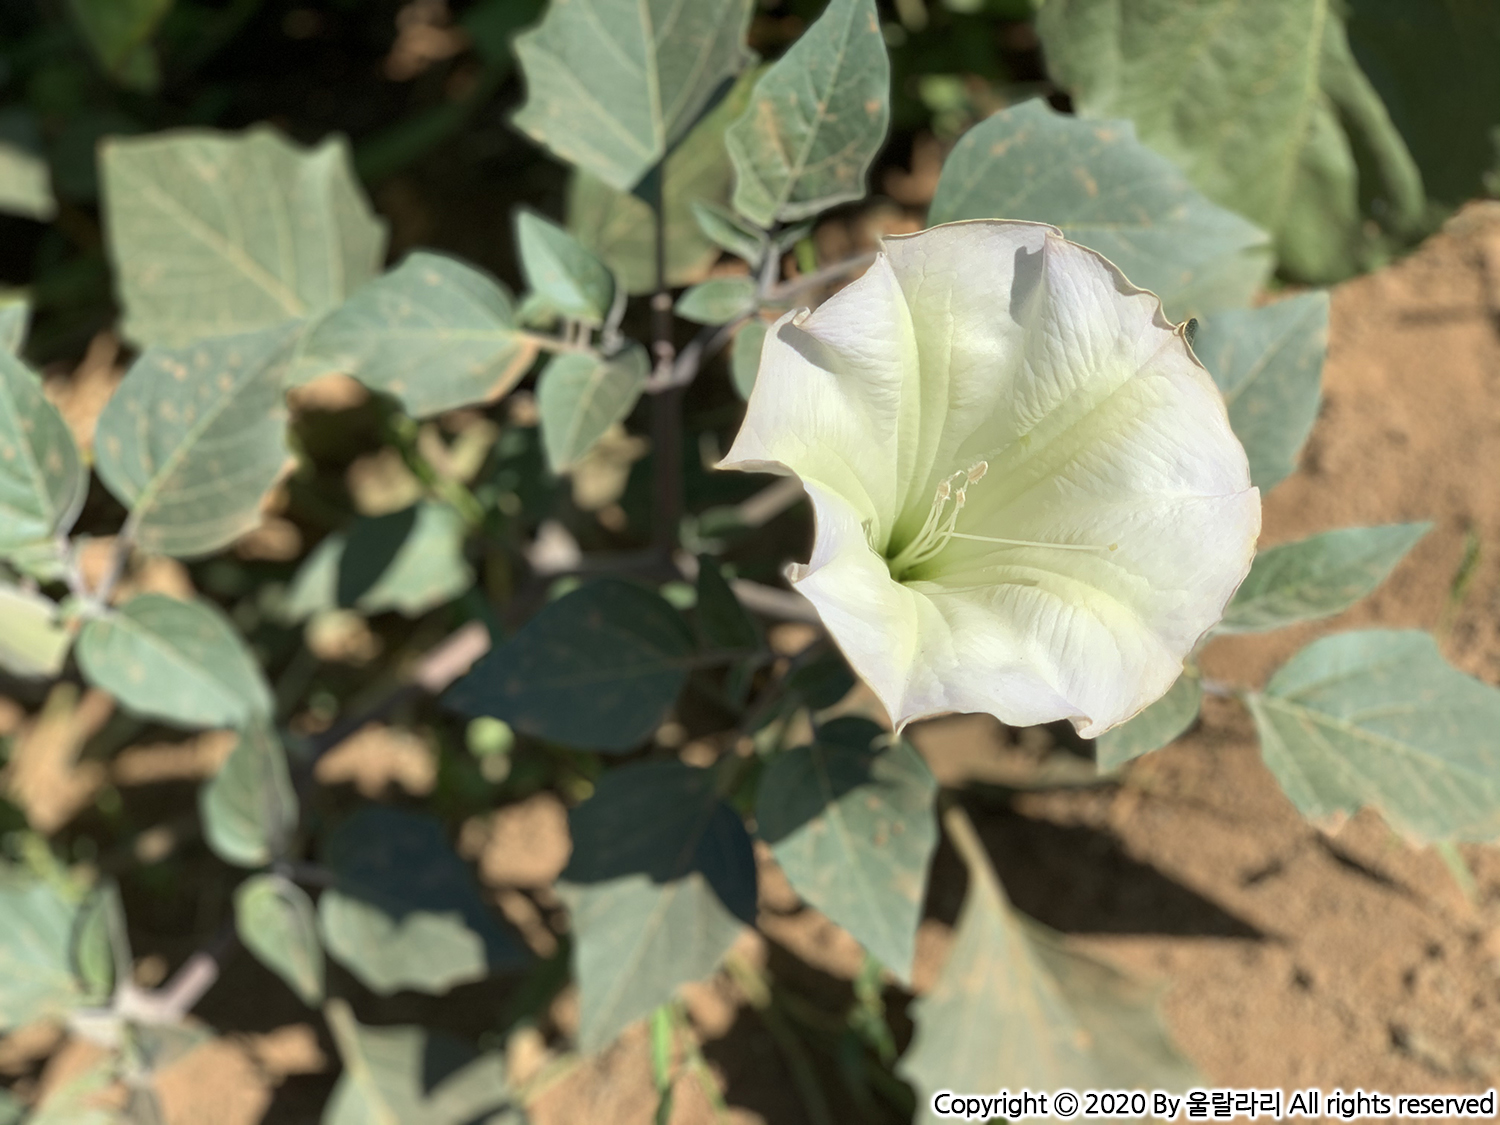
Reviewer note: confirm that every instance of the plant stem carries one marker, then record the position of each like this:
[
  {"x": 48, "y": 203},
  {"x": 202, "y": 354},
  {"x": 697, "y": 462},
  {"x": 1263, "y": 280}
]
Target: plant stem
[
  {"x": 666, "y": 406},
  {"x": 798, "y": 285}
]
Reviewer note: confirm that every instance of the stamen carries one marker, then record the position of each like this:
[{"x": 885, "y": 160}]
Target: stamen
[{"x": 1033, "y": 543}]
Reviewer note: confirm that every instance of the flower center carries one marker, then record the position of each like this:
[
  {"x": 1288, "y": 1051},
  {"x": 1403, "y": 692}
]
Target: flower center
[{"x": 941, "y": 526}]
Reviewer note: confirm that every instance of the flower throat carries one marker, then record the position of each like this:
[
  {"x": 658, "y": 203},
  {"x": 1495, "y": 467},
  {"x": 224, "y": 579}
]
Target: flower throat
[{"x": 941, "y": 526}]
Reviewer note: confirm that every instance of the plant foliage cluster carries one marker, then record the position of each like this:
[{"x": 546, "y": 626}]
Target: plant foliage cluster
[{"x": 1213, "y": 149}]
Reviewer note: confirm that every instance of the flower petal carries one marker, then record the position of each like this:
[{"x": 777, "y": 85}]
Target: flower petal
[
  {"x": 835, "y": 391},
  {"x": 919, "y": 656}
]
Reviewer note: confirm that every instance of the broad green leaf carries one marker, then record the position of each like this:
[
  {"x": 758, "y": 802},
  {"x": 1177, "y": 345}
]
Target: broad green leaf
[
  {"x": 249, "y": 807},
  {"x": 215, "y": 233},
  {"x": 194, "y": 438},
  {"x": 1155, "y": 727},
  {"x": 1318, "y": 576},
  {"x": 621, "y": 228},
  {"x": 853, "y": 828},
  {"x": 100, "y": 947},
  {"x": 661, "y": 878},
  {"x": 1379, "y": 718},
  {"x": 815, "y": 120},
  {"x": 1261, "y": 105},
  {"x": 404, "y": 910},
  {"x": 1015, "y": 1008},
  {"x": 15, "y": 315},
  {"x": 180, "y": 661},
  {"x": 1269, "y": 364},
  {"x": 33, "y": 641},
  {"x": 1447, "y": 122},
  {"x": 433, "y": 333},
  {"x": 718, "y": 300},
  {"x": 119, "y": 32},
  {"x": 580, "y": 395},
  {"x": 723, "y": 623},
  {"x": 43, "y": 481},
  {"x": 613, "y": 85},
  {"x": 1111, "y": 193},
  {"x": 567, "y": 277},
  {"x": 411, "y": 1076},
  {"x": 744, "y": 356},
  {"x": 276, "y": 921},
  {"x": 596, "y": 669},
  {"x": 36, "y": 926},
  {"x": 25, "y": 184},
  {"x": 730, "y": 232},
  {"x": 408, "y": 561}
]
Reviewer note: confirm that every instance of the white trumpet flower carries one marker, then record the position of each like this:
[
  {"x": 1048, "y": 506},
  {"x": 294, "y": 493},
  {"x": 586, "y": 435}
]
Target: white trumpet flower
[{"x": 1028, "y": 498}]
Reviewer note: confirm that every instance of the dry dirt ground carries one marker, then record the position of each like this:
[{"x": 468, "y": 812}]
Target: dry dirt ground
[{"x": 1286, "y": 957}]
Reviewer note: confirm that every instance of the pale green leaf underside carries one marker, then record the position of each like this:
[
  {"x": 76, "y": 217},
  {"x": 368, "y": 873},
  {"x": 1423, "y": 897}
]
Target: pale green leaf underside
[
  {"x": 180, "y": 661},
  {"x": 1269, "y": 364},
  {"x": 815, "y": 120},
  {"x": 195, "y": 437},
  {"x": 612, "y": 85},
  {"x": 42, "y": 478},
  {"x": 718, "y": 300},
  {"x": 1111, "y": 193},
  {"x": 854, "y": 832},
  {"x": 214, "y": 233},
  {"x": 433, "y": 333},
  {"x": 25, "y": 185},
  {"x": 1154, "y": 727},
  {"x": 33, "y": 642},
  {"x": 36, "y": 927},
  {"x": 562, "y": 273},
  {"x": 1378, "y": 718},
  {"x": 1318, "y": 576},
  {"x": 275, "y": 920},
  {"x": 15, "y": 316},
  {"x": 1015, "y": 1008},
  {"x": 744, "y": 356},
  {"x": 620, "y": 228},
  {"x": 389, "y": 1074},
  {"x": 249, "y": 807},
  {"x": 580, "y": 395}
]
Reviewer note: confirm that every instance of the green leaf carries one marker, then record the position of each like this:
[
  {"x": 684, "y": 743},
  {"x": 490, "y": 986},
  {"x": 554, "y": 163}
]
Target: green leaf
[
  {"x": 119, "y": 32},
  {"x": 434, "y": 334},
  {"x": 12, "y": 1108},
  {"x": 723, "y": 622},
  {"x": 218, "y": 233},
  {"x": 36, "y": 926},
  {"x": 1318, "y": 576},
  {"x": 661, "y": 877},
  {"x": 744, "y": 357},
  {"x": 1015, "y": 1008},
  {"x": 613, "y": 85},
  {"x": 568, "y": 278},
  {"x": 411, "y": 1076},
  {"x": 100, "y": 946},
  {"x": 815, "y": 120},
  {"x": 1378, "y": 718},
  {"x": 1448, "y": 124},
  {"x": 620, "y": 228},
  {"x": 1108, "y": 191},
  {"x": 179, "y": 661},
  {"x": 730, "y": 232},
  {"x": 580, "y": 395},
  {"x": 1258, "y": 104},
  {"x": 275, "y": 920},
  {"x": 718, "y": 300},
  {"x": 25, "y": 184},
  {"x": 43, "y": 481},
  {"x": 249, "y": 807},
  {"x": 84, "y": 1098},
  {"x": 1155, "y": 727},
  {"x": 404, "y": 911},
  {"x": 596, "y": 669},
  {"x": 407, "y": 561},
  {"x": 15, "y": 315},
  {"x": 33, "y": 641},
  {"x": 853, "y": 828},
  {"x": 1269, "y": 364},
  {"x": 194, "y": 438}
]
